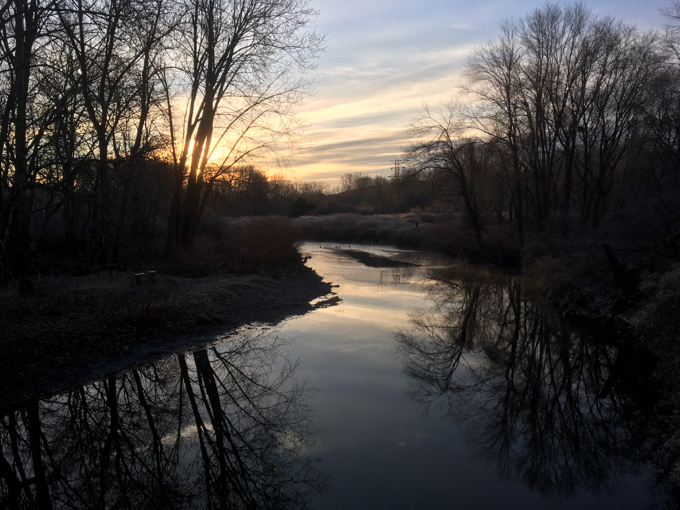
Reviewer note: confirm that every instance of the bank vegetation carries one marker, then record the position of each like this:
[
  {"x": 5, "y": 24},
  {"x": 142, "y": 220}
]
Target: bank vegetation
[{"x": 132, "y": 137}]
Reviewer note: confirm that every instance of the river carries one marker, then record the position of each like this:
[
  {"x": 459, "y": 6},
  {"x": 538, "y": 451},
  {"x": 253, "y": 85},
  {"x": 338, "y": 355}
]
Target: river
[{"x": 423, "y": 384}]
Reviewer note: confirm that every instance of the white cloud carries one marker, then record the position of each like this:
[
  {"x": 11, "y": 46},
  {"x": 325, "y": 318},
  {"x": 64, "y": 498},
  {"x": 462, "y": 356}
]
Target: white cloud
[{"x": 385, "y": 58}]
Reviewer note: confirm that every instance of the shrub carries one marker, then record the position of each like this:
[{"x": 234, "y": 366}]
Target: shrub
[
  {"x": 261, "y": 243},
  {"x": 241, "y": 245},
  {"x": 659, "y": 319}
]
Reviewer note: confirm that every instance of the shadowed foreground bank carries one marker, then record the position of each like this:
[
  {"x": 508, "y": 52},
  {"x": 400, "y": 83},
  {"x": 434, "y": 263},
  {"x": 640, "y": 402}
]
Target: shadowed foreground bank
[
  {"x": 74, "y": 329},
  {"x": 225, "y": 426}
]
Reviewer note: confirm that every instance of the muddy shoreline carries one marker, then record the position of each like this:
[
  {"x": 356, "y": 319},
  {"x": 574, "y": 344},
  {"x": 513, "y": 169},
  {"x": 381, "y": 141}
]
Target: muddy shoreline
[{"x": 72, "y": 331}]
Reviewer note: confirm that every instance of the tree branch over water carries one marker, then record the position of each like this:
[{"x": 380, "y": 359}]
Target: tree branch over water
[
  {"x": 223, "y": 428},
  {"x": 549, "y": 404}
]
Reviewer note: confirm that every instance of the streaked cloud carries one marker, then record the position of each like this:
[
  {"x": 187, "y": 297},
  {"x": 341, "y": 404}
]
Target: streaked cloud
[{"x": 385, "y": 58}]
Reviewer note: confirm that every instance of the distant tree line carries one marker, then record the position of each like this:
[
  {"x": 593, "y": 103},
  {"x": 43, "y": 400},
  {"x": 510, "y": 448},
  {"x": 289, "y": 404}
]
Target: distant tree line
[
  {"x": 126, "y": 120},
  {"x": 567, "y": 121},
  {"x": 122, "y": 116},
  {"x": 248, "y": 191}
]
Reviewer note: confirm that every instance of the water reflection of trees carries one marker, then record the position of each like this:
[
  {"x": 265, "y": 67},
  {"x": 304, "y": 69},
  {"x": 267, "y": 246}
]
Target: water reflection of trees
[
  {"x": 551, "y": 406},
  {"x": 395, "y": 276},
  {"x": 220, "y": 428}
]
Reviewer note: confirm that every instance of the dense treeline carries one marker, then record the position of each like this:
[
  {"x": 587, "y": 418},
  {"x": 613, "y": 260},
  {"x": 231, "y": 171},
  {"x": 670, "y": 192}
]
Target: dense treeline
[
  {"x": 115, "y": 115},
  {"x": 568, "y": 121},
  {"x": 568, "y": 126},
  {"x": 122, "y": 122}
]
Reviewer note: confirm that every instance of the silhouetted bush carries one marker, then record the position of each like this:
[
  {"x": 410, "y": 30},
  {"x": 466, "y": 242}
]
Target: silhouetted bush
[
  {"x": 260, "y": 243},
  {"x": 253, "y": 244}
]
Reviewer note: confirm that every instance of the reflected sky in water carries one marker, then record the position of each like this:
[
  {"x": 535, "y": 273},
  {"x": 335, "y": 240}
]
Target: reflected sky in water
[
  {"x": 381, "y": 448},
  {"x": 223, "y": 427},
  {"x": 425, "y": 387}
]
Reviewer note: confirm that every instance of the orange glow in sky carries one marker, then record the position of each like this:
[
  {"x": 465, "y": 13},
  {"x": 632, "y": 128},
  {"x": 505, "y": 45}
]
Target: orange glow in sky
[{"x": 384, "y": 59}]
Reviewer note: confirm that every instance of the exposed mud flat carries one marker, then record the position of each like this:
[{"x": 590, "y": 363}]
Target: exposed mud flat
[
  {"x": 372, "y": 260},
  {"x": 75, "y": 330}
]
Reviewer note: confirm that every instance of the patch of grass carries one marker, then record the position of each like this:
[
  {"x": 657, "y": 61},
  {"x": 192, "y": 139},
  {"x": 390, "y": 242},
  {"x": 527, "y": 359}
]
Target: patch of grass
[
  {"x": 441, "y": 233},
  {"x": 248, "y": 245},
  {"x": 404, "y": 230},
  {"x": 71, "y": 322}
]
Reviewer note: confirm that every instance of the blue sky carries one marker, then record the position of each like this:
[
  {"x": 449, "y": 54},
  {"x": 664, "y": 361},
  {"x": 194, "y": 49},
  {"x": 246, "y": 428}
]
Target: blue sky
[{"x": 384, "y": 59}]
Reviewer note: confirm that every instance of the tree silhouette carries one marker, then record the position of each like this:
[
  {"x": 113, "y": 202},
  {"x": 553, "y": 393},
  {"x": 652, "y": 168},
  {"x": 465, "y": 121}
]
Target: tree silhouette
[
  {"x": 225, "y": 427},
  {"x": 547, "y": 403}
]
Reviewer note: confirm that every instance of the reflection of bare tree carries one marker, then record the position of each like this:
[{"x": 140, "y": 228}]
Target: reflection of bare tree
[
  {"x": 451, "y": 327},
  {"x": 224, "y": 428},
  {"x": 546, "y": 403},
  {"x": 395, "y": 276}
]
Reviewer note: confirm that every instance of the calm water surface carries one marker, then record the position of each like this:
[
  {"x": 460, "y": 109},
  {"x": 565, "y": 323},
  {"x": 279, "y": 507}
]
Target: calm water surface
[
  {"x": 425, "y": 387},
  {"x": 422, "y": 419}
]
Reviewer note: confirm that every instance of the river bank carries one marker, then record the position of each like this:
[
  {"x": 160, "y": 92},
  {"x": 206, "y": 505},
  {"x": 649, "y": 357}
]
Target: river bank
[
  {"x": 633, "y": 281},
  {"x": 74, "y": 329}
]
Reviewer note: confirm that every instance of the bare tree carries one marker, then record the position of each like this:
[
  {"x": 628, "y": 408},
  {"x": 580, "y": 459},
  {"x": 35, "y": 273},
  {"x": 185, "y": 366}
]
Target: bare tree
[
  {"x": 382, "y": 194},
  {"x": 494, "y": 74},
  {"x": 663, "y": 114},
  {"x": 237, "y": 58},
  {"x": 116, "y": 44},
  {"x": 672, "y": 33},
  {"x": 453, "y": 161},
  {"x": 562, "y": 93},
  {"x": 23, "y": 30}
]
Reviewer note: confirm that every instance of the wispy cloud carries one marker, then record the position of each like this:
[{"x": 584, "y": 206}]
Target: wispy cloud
[
  {"x": 385, "y": 58},
  {"x": 333, "y": 155}
]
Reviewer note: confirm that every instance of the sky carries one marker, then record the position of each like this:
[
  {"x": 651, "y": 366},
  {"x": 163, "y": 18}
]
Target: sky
[{"x": 384, "y": 59}]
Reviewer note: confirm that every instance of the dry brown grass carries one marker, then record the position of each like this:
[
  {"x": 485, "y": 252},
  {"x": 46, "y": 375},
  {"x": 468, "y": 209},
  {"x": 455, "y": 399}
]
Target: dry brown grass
[
  {"x": 268, "y": 243},
  {"x": 443, "y": 233},
  {"x": 397, "y": 230},
  {"x": 423, "y": 231},
  {"x": 249, "y": 245},
  {"x": 70, "y": 322},
  {"x": 659, "y": 319}
]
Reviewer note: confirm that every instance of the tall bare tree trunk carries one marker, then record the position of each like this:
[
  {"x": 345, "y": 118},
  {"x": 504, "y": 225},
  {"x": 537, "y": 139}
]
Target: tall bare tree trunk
[{"x": 18, "y": 222}]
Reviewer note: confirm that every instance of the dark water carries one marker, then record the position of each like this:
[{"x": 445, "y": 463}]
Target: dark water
[{"x": 426, "y": 387}]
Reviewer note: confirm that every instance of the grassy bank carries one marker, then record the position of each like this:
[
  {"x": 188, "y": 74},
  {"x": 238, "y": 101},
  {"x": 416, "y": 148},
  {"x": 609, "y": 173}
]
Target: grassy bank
[
  {"x": 86, "y": 326},
  {"x": 72, "y": 322},
  {"x": 441, "y": 233},
  {"x": 573, "y": 271}
]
